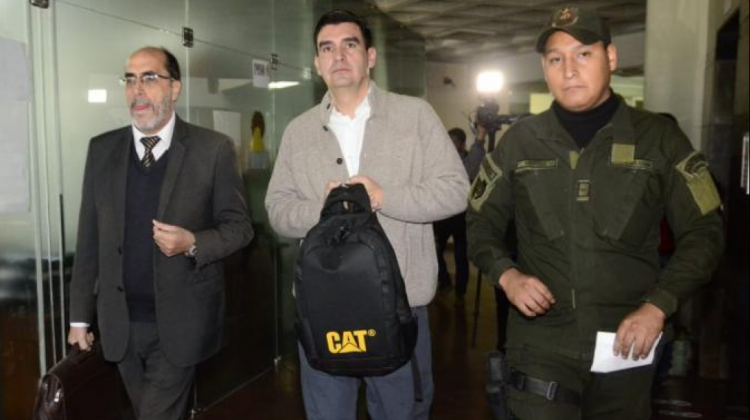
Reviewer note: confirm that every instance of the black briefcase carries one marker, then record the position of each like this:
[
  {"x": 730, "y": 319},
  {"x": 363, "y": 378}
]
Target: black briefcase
[{"x": 83, "y": 386}]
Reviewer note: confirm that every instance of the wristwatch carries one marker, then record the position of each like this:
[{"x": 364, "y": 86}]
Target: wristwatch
[{"x": 192, "y": 252}]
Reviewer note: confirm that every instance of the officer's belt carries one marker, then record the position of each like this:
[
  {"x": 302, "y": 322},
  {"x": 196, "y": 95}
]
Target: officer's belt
[{"x": 552, "y": 391}]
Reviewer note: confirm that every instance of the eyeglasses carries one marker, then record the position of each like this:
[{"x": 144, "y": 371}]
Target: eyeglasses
[{"x": 147, "y": 80}]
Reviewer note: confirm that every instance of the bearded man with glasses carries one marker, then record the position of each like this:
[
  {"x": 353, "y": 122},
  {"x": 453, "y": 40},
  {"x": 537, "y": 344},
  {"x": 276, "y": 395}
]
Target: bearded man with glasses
[{"x": 162, "y": 206}]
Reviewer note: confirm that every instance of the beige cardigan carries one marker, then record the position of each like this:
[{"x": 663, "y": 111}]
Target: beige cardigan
[{"x": 406, "y": 151}]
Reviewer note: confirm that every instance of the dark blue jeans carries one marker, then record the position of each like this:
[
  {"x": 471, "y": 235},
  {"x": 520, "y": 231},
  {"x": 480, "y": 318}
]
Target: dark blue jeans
[{"x": 389, "y": 397}]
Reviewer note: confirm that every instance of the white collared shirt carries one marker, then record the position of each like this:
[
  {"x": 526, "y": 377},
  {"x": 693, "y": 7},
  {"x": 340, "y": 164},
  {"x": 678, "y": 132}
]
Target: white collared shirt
[
  {"x": 166, "y": 139},
  {"x": 350, "y": 132}
]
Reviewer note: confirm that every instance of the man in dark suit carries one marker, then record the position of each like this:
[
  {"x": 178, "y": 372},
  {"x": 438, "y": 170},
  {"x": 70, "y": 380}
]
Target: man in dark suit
[{"x": 162, "y": 206}]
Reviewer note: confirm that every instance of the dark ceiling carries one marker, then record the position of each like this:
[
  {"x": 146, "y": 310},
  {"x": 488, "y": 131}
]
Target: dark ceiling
[{"x": 470, "y": 30}]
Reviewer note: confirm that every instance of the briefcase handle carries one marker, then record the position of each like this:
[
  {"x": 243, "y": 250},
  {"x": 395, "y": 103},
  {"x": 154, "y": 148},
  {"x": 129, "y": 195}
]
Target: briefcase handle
[{"x": 79, "y": 356}]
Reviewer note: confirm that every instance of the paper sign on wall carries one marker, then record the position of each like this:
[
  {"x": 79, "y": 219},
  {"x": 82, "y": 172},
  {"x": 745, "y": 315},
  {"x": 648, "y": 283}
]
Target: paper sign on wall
[
  {"x": 15, "y": 95},
  {"x": 15, "y": 75},
  {"x": 261, "y": 79},
  {"x": 14, "y": 148}
]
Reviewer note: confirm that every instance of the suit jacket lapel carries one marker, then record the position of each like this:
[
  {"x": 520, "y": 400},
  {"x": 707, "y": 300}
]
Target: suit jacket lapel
[
  {"x": 176, "y": 157},
  {"x": 120, "y": 162}
]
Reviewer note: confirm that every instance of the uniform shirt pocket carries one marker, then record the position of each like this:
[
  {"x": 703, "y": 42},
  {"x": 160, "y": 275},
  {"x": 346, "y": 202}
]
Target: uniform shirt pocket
[
  {"x": 537, "y": 182},
  {"x": 627, "y": 202}
]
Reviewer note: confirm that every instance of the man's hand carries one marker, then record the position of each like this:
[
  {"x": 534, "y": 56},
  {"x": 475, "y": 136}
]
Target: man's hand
[
  {"x": 373, "y": 190},
  {"x": 82, "y": 337},
  {"x": 526, "y": 293},
  {"x": 639, "y": 331},
  {"x": 330, "y": 187},
  {"x": 172, "y": 240}
]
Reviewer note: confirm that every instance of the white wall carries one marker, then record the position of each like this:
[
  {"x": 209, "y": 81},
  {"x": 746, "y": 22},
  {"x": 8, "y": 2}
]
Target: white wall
[
  {"x": 680, "y": 49},
  {"x": 676, "y": 60},
  {"x": 452, "y": 102}
]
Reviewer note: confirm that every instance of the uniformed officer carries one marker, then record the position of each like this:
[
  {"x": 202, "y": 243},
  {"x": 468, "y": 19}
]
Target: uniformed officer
[{"x": 587, "y": 183}]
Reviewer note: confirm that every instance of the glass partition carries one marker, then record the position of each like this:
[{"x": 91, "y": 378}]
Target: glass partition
[
  {"x": 20, "y": 349},
  {"x": 162, "y": 15},
  {"x": 91, "y": 100},
  {"x": 222, "y": 97},
  {"x": 247, "y": 27},
  {"x": 77, "y": 50}
]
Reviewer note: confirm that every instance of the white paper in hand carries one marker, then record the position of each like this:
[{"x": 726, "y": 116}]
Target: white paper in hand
[{"x": 605, "y": 360}]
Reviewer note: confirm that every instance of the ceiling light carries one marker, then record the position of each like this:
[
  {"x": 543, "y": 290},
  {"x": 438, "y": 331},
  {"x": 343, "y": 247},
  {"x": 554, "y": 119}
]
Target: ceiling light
[
  {"x": 282, "y": 85},
  {"x": 490, "y": 82},
  {"x": 97, "y": 96}
]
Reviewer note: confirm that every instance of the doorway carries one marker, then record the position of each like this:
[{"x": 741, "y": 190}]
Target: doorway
[{"x": 728, "y": 154}]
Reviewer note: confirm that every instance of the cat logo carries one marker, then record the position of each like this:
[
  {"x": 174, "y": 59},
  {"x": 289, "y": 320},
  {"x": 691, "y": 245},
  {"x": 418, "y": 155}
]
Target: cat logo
[{"x": 349, "y": 342}]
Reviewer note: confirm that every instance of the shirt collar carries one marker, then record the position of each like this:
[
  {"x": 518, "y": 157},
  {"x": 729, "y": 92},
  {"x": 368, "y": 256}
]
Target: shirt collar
[
  {"x": 375, "y": 100},
  {"x": 166, "y": 134},
  {"x": 363, "y": 111}
]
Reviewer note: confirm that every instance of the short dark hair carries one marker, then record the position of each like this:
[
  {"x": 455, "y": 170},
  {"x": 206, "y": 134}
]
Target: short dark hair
[
  {"x": 173, "y": 66},
  {"x": 458, "y": 134},
  {"x": 337, "y": 17},
  {"x": 170, "y": 61}
]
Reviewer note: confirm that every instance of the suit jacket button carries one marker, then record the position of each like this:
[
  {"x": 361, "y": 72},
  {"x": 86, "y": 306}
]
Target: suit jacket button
[
  {"x": 120, "y": 289},
  {"x": 119, "y": 250}
]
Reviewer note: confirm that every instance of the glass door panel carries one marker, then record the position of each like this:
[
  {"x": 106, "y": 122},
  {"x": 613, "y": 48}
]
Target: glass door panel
[
  {"x": 162, "y": 15},
  {"x": 21, "y": 312},
  {"x": 222, "y": 97},
  {"x": 91, "y": 101}
]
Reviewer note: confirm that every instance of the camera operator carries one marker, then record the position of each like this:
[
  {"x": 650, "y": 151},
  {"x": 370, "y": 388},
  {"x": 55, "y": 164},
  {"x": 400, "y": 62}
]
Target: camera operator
[
  {"x": 472, "y": 158},
  {"x": 456, "y": 226}
]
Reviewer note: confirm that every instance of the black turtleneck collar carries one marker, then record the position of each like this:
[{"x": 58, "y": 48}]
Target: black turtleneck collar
[{"x": 583, "y": 126}]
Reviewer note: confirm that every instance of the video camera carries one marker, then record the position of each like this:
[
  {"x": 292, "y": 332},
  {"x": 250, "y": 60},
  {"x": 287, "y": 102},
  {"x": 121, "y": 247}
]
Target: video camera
[{"x": 487, "y": 116}]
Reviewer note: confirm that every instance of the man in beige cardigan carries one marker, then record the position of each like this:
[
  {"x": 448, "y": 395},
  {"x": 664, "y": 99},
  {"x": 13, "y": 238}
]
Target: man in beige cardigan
[{"x": 398, "y": 149}]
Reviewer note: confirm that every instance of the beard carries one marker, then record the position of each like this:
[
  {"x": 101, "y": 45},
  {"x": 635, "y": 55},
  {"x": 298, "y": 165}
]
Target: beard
[{"x": 162, "y": 112}]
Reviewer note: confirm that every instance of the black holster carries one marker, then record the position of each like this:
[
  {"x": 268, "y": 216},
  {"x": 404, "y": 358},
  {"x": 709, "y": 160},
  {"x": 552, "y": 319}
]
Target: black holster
[{"x": 498, "y": 381}]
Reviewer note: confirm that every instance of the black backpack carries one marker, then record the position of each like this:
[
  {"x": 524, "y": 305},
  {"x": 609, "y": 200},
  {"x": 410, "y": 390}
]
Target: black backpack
[{"x": 353, "y": 313}]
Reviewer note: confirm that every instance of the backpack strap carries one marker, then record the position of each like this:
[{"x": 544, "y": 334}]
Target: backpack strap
[{"x": 355, "y": 194}]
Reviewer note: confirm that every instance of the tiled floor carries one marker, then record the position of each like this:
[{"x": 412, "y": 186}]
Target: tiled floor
[{"x": 459, "y": 377}]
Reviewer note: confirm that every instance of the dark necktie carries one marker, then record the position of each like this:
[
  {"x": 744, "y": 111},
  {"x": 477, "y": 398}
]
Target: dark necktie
[{"x": 150, "y": 143}]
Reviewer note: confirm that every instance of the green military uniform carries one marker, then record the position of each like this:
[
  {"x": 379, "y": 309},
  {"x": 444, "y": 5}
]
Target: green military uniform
[{"x": 588, "y": 228}]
